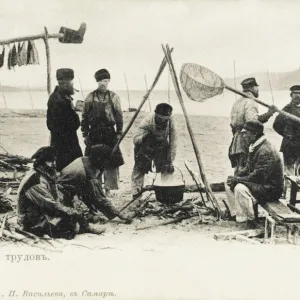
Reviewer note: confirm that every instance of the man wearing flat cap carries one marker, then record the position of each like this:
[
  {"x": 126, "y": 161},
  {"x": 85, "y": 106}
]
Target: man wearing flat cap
[
  {"x": 244, "y": 110},
  {"x": 260, "y": 181},
  {"x": 62, "y": 120},
  {"x": 156, "y": 140},
  {"x": 290, "y": 146},
  {"x": 102, "y": 123}
]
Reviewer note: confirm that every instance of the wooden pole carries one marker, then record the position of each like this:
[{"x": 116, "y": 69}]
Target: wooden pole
[
  {"x": 287, "y": 115},
  {"x": 127, "y": 91},
  {"x": 196, "y": 150},
  {"x": 81, "y": 89},
  {"x": 29, "y": 95},
  {"x": 270, "y": 87},
  {"x": 30, "y": 37},
  {"x": 4, "y": 98},
  {"x": 147, "y": 91},
  {"x": 45, "y": 38}
]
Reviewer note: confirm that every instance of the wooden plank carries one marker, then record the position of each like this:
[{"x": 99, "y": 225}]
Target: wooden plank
[
  {"x": 230, "y": 235},
  {"x": 281, "y": 212}
]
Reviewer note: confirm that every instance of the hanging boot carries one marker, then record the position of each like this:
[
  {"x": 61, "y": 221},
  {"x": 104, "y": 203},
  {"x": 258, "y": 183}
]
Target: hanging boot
[{"x": 72, "y": 36}]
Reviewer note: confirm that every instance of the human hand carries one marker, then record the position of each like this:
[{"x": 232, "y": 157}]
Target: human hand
[
  {"x": 87, "y": 141},
  {"x": 231, "y": 181},
  {"x": 272, "y": 109},
  {"x": 118, "y": 135}
]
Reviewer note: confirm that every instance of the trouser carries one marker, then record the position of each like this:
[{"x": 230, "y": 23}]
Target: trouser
[
  {"x": 138, "y": 176},
  {"x": 241, "y": 202}
]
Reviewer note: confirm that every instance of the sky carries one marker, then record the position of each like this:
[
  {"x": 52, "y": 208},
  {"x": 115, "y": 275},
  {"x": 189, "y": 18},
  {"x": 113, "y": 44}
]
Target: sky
[{"x": 125, "y": 37}]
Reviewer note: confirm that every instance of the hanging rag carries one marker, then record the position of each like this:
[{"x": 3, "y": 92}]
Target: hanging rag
[
  {"x": 23, "y": 54},
  {"x": 14, "y": 56},
  {"x": 2, "y": 57},
  {"x": 19, "y": 55},
  {"x": 29, "y": 53},
  {"x": 35, "y": 54},
  {"x": 9, "y": 59}
]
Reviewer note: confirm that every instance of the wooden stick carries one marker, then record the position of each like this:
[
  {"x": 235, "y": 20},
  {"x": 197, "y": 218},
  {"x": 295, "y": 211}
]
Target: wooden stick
[
  {"x": 232, "y": 234},
  {"x": 161, "y": 68},
  {"x": 270, "y": 87},
  {"x": 147, "y": 91},
  {"x": 30, "y": 38},
  {"x": 3, "y": 225},
  {"x": 45, "y": 38},
  {"x": 287, "y": 115},
  {"x": 128, "y": 96},
  {"x": 196, "y": 150}
]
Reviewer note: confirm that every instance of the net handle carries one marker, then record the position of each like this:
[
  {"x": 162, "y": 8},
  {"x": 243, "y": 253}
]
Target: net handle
[{"x": 281, "y": 112}]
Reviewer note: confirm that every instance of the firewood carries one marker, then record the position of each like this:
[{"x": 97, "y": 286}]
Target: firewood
[
  {"x": 3, "y": 225},
  {"x": 229, "y": 235}
]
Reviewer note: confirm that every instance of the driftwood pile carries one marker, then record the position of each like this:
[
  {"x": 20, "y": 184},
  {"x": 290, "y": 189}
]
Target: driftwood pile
[
  {"x": 170, "y": 214},
  {"x": 10, "y": 232}
]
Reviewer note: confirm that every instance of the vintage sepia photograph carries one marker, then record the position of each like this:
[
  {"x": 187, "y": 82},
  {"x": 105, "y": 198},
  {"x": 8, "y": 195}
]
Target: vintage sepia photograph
[{"x": 149, "y": 149}]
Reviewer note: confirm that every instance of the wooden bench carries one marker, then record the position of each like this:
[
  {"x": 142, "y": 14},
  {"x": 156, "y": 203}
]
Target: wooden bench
[
  {"x": 295, "y": 187},
  {"x": 277, "y": 213}
]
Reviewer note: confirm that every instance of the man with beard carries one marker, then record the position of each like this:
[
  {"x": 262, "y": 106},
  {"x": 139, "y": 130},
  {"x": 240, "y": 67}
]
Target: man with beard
[
  {"x": 244, "y": 110},
  {"x": 290, "y": 146},
  {"x": 102, "y": 112},
  {"x": 260, "y": 181},
  {"x": 81, "y": 178},
  {"x": 43, "y": 208},
  {"x": 63, "y": 121},
  {"x": 156, "y": 140}
]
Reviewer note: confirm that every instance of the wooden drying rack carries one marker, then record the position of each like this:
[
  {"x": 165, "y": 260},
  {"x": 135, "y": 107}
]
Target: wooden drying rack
[{"x": 45, "y": 37}]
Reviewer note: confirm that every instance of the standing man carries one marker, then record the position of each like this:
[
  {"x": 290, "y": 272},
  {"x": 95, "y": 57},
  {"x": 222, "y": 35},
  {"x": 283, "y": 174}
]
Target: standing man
[
  {"x": 244, "y": 110},
  {"x": 156, "y": 140},
  {"x": 260, "y": 181},
  {"x": 102, "y": 112},
  {"x": 63, "y": 121},
  {"x": 290, "y": 146}
]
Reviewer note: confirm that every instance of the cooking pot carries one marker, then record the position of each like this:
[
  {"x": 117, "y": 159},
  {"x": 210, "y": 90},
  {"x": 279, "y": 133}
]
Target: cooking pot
[{"x": 169, "y": 194}]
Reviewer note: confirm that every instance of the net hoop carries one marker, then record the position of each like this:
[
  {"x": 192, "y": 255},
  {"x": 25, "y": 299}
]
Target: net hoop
[{"x": 200, "y": 83}]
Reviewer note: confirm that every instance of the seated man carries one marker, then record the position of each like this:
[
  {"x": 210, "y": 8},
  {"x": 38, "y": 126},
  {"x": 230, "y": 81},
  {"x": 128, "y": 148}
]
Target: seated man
[
  {"x": 41, "y": 204},
  {"x": 260, "y": 181},
  {"x": 81, "y": 178},
  {"x": 154, "y": 141}
]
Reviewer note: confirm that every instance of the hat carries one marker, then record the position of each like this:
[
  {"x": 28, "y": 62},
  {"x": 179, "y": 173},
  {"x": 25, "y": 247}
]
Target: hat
[
  {"x": 44, "y": 154},
  {"x": 295, "y": 89},
  {"x": 100, "y": 154},
  {"x": 64, "y": 74},
  {"x": 102, "y": 74},
  {"x": 249, "y": 82},
  {"x": 164, "y": 109},
  {"x": 254, "y": 126}
]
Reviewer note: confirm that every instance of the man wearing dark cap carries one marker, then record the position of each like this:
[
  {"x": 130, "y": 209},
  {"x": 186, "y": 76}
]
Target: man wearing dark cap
[
  {"x": 102, "y": 123},
  {"x": 81, "y": 178},
  {"x": 156, "y": 140},
  {"x": 244, "y": 109},
  {"x": 42, "y": 205},
  {"x": 290, "y": 146},
  {"x": 260, "y": 181},
  {"x": 62, "y": 120}
]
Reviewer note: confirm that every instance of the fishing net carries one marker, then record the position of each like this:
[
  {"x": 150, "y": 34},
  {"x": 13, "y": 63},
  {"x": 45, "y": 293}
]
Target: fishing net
[{"x": 200, "y": 83}]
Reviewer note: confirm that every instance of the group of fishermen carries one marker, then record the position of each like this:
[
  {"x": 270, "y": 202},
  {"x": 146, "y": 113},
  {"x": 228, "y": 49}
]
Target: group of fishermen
[
  {"x": 258, "y": 169},
  {"x": 61, "y": 174}
]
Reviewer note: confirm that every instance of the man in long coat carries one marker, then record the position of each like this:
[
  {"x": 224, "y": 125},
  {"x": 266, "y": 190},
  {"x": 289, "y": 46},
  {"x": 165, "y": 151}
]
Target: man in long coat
[
  {"x": 290, "y": 130},
  {"x": 102, "y": 123},
  {"x": 156, "y": 140},
  {"x": 63, "y": 121},
  {"x": 244, "y": 110},
  {"x": 260, "y": 181}
]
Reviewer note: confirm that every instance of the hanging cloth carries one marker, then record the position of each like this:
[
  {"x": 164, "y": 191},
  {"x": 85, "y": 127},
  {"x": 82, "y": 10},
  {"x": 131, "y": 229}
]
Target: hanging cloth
[
  {"x": 35, "y": 54},
  {"x": 23, "y": 54},
  {"x": 29, "y": 54},
  {"x": 19, "y": 55},
  {"x": 2, "y": 57},
  {"x": 9, "y": 59},
  {"x": 14, "y": 56}
]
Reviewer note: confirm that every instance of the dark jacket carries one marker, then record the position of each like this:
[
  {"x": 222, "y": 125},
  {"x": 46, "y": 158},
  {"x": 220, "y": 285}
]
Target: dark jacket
[
  {"x": 290, "y": 130},
  {"x": 63, "y": 122},
  {"x": 263, "y": 173},
  {"x": 81, "y": 178}
]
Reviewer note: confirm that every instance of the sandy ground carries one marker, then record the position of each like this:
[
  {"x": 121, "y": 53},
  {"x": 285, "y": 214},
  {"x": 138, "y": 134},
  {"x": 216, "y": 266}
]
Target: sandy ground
[{"x": 181, "y": 261}]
